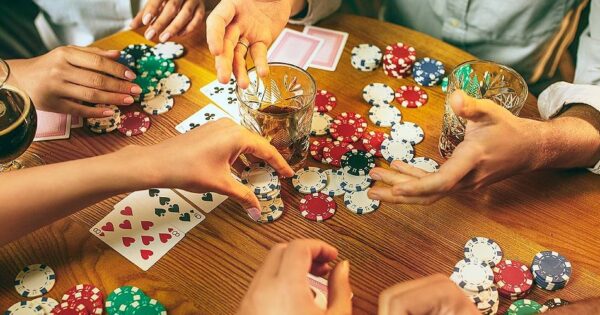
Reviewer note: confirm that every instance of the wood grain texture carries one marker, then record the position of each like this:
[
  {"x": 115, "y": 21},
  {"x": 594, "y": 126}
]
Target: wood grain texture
[{"x": 209, "y": 271}]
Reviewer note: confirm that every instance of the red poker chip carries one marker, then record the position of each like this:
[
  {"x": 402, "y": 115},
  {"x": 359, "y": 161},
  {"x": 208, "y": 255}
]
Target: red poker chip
[
  {"x": 348, "y": 127},
  {"x": 91, "y": 298},
  {"x": 325, "y": 101},
  {"x": 358, "y": 145},
  {"x": 333, "y": 152},
  {"x": 316, "y": 148},
  {"x": 372, "y": 141},
  {"x": 512, "y": 277},
  {"x": 86, "y": 289},
  {"x": 134, "y": 123},
  {"x": 317, "y": 207},
  {"x": 410, "y": 96},
  {"x": 66, "y": 308},
  {"x": 400, "y": 54}
]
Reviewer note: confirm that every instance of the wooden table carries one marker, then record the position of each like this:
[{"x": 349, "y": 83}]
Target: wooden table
[{"x": 209, "y": 271}]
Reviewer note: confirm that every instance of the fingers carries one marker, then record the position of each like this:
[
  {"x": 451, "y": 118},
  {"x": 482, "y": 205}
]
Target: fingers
[
  {"x": 389, "y": 177},
  {"x": 100, "y": 81},
  {"x": 385, "y": 193},
  {"x": 258, "y": 51},
  {"x": 86, "y": 94},
  {"x": 96, "y": 62},
  {"x": 112, "y": 54},
  {"x": 408, "y": 169},
  {"x": 185, "y": 15},
  {"x": 150, "y": 11},
  {"x": 167, "y": 14},
  {"x": 471, "y": 108},
  {"x": 340, "y": 291},
  {"x": 239, "y": 65},
  {"x": 196, "y": 20},
  {"x": 242, "y": 195},
  {"x": 224, "y": 61},
  {"x": 81, "y": 110},
  {"x": 217, "y": 22},
  {"x": 272, "y": 262},
  {"x": 300, "y": 255},
  {"x": 260, "y": 148}
]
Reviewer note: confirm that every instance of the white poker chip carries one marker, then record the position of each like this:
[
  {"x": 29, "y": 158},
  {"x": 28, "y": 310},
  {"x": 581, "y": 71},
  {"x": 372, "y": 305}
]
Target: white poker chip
[
  {"x": 483, "y": 249},
  {"x": 260, "y": 178},
  {"x": 378, "y": 94},
  {"x": 334, "y": 183},
  {"x": 46, "y": 303},
  {"x": 424, "y": 163},
  {"x": 174, "y": 84},
  {"x": 159, "y": 105},
  {"x": 35, "y": 280},
  {"x": 408, "y": 131},
  {"x": 271, "y": 210},
  {"x": 309, "y": 180},
  {"x": 320, "y": 124},
  {"x": 366, "y": 57},
  {"x": 397, "y": 150},
  {"x": 352, "y": 183},
  {"x": 384, "y": 115},
  {"x": 25, "y": 308},
  {"x": 358, "y": 202},
  {"x": 472, "y": 275},
  {"x": 168, "y": 50}
]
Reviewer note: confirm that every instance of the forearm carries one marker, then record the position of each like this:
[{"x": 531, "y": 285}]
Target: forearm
[
  {"x": 591, "y": 306},
  {"x": 32, "y": 198}
]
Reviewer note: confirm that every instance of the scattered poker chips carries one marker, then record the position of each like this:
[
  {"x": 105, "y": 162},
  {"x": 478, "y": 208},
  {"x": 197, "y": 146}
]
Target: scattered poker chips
[
  {"x": 357, "y": 163},
  {"x": 334, "y": 183},
  {"x": 378, "y": 94},
  {"x": 397, "y": 150},
  {"x": 525, "y": 306},
  {"x": 87, "y": 295},
  {"x": 348, "y": 127},
  {"x": 384, "y": 115},
  {"x": 325, "y": 101},
  {"x": 372, "y": 142},
  {"x": 410, "y": 96},
  {"x": 398, "y": 60},
  {"x": 156, "y": 66},
  {"x": 260, "y": 178},
  {"x": 358, "y": 202},
  {"x": 472, "y": 275},
  {"x": 512, "y": 278},
  {"x": 120, "y": 298},
  {"x": 35, "y": 280},
  {"x": 309, "y": 180},
  {"x": 424, "y": 163},
  {"x": 551, "y": 270},
  {"x": 25, "y": 307},
  {"x": 483, "y": 249},
  {"x": 320, "y": 124},
  {"x": 133, "y": 124},
  {"x": 317, "y": 207},
  {"x": 158, "y": 105},
  {"x": 168, "y": 50},
  {"x": 174, "y": 84},
  {"x": 556, "y": 302},
  {"x": 428, "y": 71},
  {"x": 366, "y": 57},
  {"x": 316, "y": 148},
  {"x": 351, "y": 183},
  {"x": 333, "y": 152},
  {"x": 408, "y": 131}
]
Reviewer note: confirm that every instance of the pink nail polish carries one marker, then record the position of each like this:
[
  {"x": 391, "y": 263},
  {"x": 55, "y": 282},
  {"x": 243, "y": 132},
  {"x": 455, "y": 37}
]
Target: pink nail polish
[
  {"x": 108, "y": 113},
  {"x": 130, "y": 75},
  {"x": 164, "y": 37},
  {"x": 128, "y": 100},
  {"x": 253, "y": 213},
  {"x": 149, "y": 34},
  {"x": 146, "y": 19},
  {"x": 136, "y": 89}
]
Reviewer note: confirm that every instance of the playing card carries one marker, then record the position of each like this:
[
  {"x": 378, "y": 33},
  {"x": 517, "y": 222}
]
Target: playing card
[
  {"x": 76, "y": 121},
  {"x": 320, "y": 289},
  {"x": 206, "y": 201},
  {"x": 52, "y": 126},
  {"x": 208, "y": 113},
  {"x": 294, "y": 48},
  {"x": 224, "y": 96},
  {"x": 329, "y": 54}
]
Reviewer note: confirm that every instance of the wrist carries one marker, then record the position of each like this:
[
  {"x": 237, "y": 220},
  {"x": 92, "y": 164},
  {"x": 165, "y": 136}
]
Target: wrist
[{"x": 136, "y": 169}]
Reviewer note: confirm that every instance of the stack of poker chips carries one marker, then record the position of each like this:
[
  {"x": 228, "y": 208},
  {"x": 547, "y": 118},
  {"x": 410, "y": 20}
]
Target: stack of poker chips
[
  {"x": 476, "y": 279},
  {"x": 551, "y": 270},
  {"x": 262, "y": 179},
  {"x": 131, "y": 300},
  {"x": 526, "y": 306},
  {"x": 513, "y": 278},
  {"x": 398, "y": 60},
  {"x": 428, "y": 71},
  {"x": 105, "y": 124},
  {"x": 366, "y": 57}
]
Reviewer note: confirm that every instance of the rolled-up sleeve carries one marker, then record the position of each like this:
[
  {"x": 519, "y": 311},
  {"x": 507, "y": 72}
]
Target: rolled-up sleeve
[
  {"x": 317, "y": 10},
  {"x": 588, "y": 54}
]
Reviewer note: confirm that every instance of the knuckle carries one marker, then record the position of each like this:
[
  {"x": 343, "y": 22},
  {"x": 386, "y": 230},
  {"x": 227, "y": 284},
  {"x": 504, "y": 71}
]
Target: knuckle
[
  {"x": 91, "y": 95},
  {"x": 98, "y": 80},
  {"x": 97, "y": 61}
]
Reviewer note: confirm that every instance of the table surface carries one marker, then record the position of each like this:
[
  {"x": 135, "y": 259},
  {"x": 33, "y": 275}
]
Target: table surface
[{"x": 209, "y": 270}]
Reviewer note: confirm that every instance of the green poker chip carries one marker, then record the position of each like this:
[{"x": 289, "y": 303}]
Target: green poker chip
[
  {"x": 156, "y": 66},
  {"x": 526, "y": 307},
  {"x": 148, "y": 84},
  {"x": 121, "y": 298},
  {"x": 146, "y": 307},
  {"x": 357, "y": 163}
]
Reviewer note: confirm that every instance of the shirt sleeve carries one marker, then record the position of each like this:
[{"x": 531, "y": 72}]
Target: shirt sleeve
[
  {"x": 588, "y": 54},
  {"x": 317, "y": 10}
]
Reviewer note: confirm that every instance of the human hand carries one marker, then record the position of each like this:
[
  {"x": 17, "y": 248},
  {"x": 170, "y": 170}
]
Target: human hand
[
  {"x": 255, "y": 23},
  {"x": 281, "y": 286},
  {"x": 433, "y": 295},
  {"x": 497, "y": 145},
  {"x": 59, "y": 80},
  {"x": 169, "y": 18}
]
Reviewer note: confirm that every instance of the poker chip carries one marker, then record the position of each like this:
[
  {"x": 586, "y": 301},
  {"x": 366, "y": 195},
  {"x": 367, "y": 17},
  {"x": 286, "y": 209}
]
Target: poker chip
[
  {"x": 168, "y": 50},
  {"x": 485, "y": 300},
  {"x": 271, "y": 210},
  {"x": 428, "y": 71},
  {"x": 384, "y": 115},
  {"x": 483, "y": 249},
  {"x": 512, "y": 278},
  {"x": 351, "y": 183},
  {"x": 372, "y": 142},
  {"x": 333, "y": 152},
  {"x": 378, "y": 94},
  {"x": 146, "y": 307},
  {"x": 46, "y": 303},
  {"x": 270, "y": 195},
  {"x": 260, "y": 178},
  {"x": 397, "y": 150},
  {"x": 426, "y": 164},
  {"x": 35, "y": 280},
  {"x": 174, "y": 84},
  {"x": 87, "y": 295},
  {"x": 556, "y": 302},
  {"x": 148, "y": 84},
  {"x": 358, "y": 202},
  {"x": 358, "y": 145},
  {"x": 134, "y": 123},
  {"x": 118, "y": 300},
  {"x": 472, "y": 275},
  {"x": 357, "y": 163},
  {"x": 320, "y": 124},
  {"x": 317, "y": 207},
  {"x": 334, "y": 183},
  {"x": 316, "y": 148},
  {"x": 309, "y": 180},
  {"x": 155, "y": 66},
  {"x": 408, "y": 131},
  {"x": 25, "y": 307},
  {"x": 525, "y": 306},
  {"x": 127, "y": 60},
  {"x": 410, "y": 96},
  {"x": 65, "y": 308},
  {"x": 325, "y": 101},
  {"x": 348, "y": 127},
  {"x": 366, "y": 57},
  {"x": 137, "y": 51},
  {"x": 105, "y": 122},
  {"x": 398, "y": 60},
  {"x": 159, "y": 105},
  {"x": 551, "y": 268}
]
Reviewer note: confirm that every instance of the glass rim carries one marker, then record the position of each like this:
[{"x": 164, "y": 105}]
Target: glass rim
[
  {"x": 503, "y": 67},
  {"x": 26, "y": 108},
  {"x": 4, "y": 65},
  {"x": 310, "y": 77}
]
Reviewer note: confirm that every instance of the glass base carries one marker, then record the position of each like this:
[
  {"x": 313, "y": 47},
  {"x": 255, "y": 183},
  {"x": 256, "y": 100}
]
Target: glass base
[{"x": 26, "y": 160}]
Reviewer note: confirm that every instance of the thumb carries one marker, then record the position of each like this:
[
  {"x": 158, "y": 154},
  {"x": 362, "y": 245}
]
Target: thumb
[
  {"x": 242, "y": 195},
  {"x": 473, "y": 109},
  {"x": 340, "y": 291}
]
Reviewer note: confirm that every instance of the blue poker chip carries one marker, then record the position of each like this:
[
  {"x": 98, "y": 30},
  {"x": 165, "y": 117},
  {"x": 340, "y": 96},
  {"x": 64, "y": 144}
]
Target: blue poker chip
[
  {"x": 428, "y": 71},
  {"x": 127, "y": 60},
  {"x": 551, "y": 267}
]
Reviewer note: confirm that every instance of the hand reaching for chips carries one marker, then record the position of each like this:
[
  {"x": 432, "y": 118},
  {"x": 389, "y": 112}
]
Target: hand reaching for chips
[{"x": 169, "y": 18}]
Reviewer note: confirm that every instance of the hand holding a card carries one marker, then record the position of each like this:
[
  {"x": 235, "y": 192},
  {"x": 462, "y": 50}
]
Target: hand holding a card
[{"x": 280, "y": 286}]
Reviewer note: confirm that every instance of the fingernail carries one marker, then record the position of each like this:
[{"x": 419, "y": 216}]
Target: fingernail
[
  {"x": 253, "y": 213},
  {"x": 346, "y": 266},
  {"x": 113, "y": 51},
  {"x": 108, "y": 113},
  {"x": 136, "y": 89},
  {"x": 375, "y": 176},
  {"x": 130, "y": 74},
  {"x": 146, "y": 19},
  {"x": 128, "y": 100},
  {"x": 373, "y": 195},
  {"x": 149, "y": 34},
  {"x": 164, "y": 37}
]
